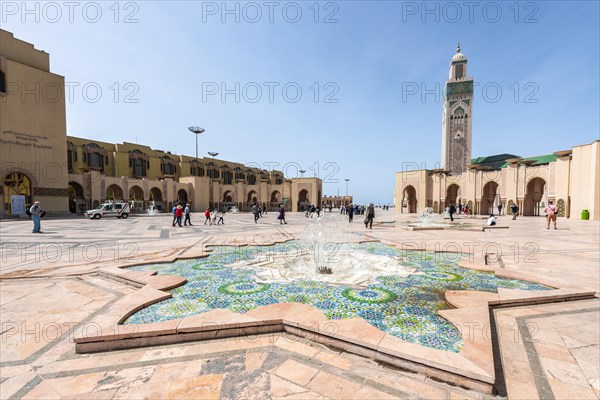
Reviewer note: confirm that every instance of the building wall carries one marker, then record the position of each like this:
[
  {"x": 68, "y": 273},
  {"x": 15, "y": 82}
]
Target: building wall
[
  {"x": 584, "y": 183},
  {"x": 32, "y": 124},
  {"x": 314, "y": 186},
  {"x": 571, "y": 182},
  {"x": 423, "y": 184},
  {"x": 336, "y": 201}
]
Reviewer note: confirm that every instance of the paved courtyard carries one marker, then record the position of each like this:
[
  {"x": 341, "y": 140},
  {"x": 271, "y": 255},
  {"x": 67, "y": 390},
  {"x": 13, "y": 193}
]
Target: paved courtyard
[{"x": 53, "y": 288}]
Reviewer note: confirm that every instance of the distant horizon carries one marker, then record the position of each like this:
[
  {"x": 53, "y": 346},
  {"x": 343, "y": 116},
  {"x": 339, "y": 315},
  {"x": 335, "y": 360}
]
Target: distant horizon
[{"x": 341, "y": 90}]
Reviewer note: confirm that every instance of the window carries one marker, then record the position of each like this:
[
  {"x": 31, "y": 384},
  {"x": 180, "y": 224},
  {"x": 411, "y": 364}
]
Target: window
[
  {"x": 169, "y": 169},
  {"x": 2, "y": 82},
  {"x": 458, "y": 71},
  {"x": 139, "y": 167},
  {"x": 227, "y": 178},
  {"x": 95, "y": 160},
  {"x": 239, "y": 174},
  {"x": 196, "y": 168},
  {"x": 70, "y": 160}
]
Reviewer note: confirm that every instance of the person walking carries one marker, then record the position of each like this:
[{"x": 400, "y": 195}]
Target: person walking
[
  {"x": 551, "y": 212},
  {"x": 256, "y": 212},
  {"x": 220, "y": 216},
  {"x": 350, "y": 212},
  {"x": 264, "y": 209},
  {"x": 36, "y": 215},
  {"x": 499, "y": 209},
  {"x": 451, "y": 211},
  {"x": 186, "y": 211},
  {"x": 207, "y": 216},
  {"x": 515, "y": 210},
  {"x": 370, "y": 216},
  {"x": 174, "y": 211},
  {"x": 178, "y": 215},
  {"x": 281, "y": 216}
]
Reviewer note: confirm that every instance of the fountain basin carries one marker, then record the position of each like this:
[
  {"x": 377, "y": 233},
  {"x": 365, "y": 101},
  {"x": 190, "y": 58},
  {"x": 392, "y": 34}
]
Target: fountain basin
[{"x": 404, "y": 304}]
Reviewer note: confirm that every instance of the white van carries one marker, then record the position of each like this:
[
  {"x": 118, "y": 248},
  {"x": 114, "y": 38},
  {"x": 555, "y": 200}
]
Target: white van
[{"x": 119, "y": 210}]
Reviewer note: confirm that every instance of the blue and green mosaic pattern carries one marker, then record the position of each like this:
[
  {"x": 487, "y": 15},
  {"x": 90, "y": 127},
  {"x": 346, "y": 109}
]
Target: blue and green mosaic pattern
[{"x": 405, "y": 307}]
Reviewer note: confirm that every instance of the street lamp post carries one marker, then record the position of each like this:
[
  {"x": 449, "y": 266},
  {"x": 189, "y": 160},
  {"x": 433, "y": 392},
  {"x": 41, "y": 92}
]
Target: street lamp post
[
  {"x": 196, "y": 130},
  {"x": 347, "y": 180}
]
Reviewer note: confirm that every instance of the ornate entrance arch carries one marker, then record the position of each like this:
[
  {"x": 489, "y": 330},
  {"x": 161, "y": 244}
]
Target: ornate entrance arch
[
  {"x": 488, "y": 198},
  {"x": 16, "y": 184},
  {"x": 77, "y": 203},
  {"x": 252, "y": 198},
  {"x": 536, "y": 196},
  {"x": 303, "y": 200},
  {"x": 452, "y": 194},
  {"x": 409, "y": 199},
  {"x": 182, "y": 196},
  {"x": 114, "y": 192}
]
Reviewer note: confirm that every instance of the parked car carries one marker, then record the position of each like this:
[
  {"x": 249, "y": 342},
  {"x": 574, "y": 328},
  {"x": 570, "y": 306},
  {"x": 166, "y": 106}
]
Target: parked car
[{"x": 119, "y": 210}]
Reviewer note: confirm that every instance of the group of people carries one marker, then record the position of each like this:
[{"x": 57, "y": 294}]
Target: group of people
[
  {"x": 214, "y": 217},
  {"x": 551, "y": 213},
  {"x": 258, "y": 212},
  {"x": 368, "y": 212},
  {"x": 312, "y": 210},
  {"x": 353, "y": 209},
  {"x": 179, "y": 211}
]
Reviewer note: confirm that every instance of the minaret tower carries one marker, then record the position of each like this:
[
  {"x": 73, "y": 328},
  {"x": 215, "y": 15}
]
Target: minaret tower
[{"x": 456, "y": 121}]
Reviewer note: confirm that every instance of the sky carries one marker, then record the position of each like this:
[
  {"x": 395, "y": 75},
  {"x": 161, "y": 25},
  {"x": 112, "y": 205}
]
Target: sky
[{"x": 341, "y": 90}]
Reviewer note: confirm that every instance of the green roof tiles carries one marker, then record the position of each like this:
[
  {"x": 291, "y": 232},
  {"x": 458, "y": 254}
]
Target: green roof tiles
[{"x": 499, "y": 160}]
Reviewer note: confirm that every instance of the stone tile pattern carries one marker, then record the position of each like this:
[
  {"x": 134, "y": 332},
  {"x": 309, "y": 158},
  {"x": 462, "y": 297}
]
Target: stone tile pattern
[
  {"x": 551, "y": 351},
  {"x": 257, "y": 367}
]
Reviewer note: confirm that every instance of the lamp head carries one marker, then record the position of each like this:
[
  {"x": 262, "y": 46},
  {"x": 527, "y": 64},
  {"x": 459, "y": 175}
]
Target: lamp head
[{"x": 196, "y": 129}]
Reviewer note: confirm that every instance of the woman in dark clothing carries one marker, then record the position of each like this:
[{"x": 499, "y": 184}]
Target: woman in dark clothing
[
  {"x": 350, "y": 211},
  {"x": 281, "y": 216}
]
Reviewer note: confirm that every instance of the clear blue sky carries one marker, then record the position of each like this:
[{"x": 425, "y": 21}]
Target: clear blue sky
[{"x": 366, "y": 58}]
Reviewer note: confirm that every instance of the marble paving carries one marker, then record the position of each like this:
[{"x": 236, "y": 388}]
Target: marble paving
[{"x": 50, "y": 289}]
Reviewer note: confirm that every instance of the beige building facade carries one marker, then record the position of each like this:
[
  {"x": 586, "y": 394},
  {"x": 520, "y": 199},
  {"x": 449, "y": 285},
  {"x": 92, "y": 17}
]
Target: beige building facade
[
  {"x": 100, "y": 172},
  {"x": 569, "y": 178},
  {"x": 336, "y": 201},
  {"x": 73, "y": 174},
  {"x": 32, "y": 128}
]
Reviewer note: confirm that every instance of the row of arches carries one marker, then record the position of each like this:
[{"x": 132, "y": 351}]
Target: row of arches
[
  {"x": 252, "y": 197},
  {"x": 276, "y": 199},
  {"x": 536, "y": 197},
  {"x": 78, "y": 202},
  {"x": 20, "y": 184}
]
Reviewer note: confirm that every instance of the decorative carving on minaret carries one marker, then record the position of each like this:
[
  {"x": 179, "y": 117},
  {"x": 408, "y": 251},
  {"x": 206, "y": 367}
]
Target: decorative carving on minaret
[{"x": 457, "y": 115}]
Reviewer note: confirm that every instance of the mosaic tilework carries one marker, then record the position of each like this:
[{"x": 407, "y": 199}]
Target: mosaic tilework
[{"x": 403, "y": 306}]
